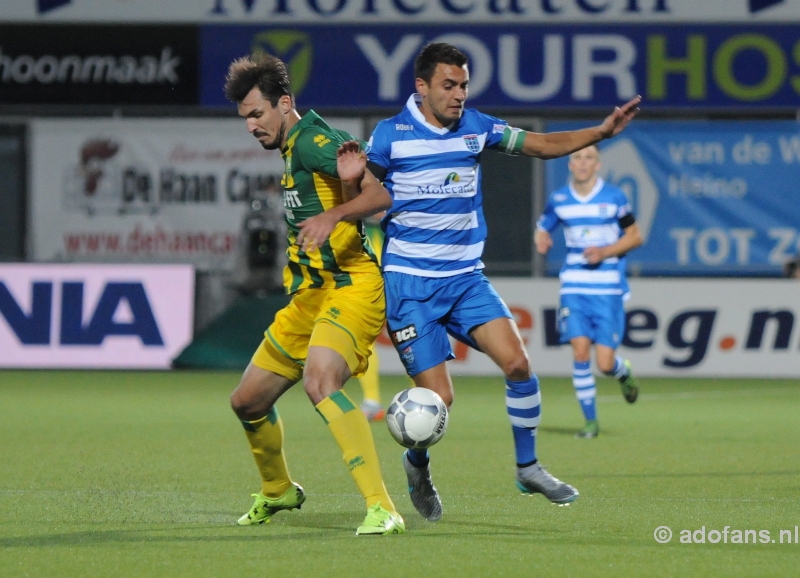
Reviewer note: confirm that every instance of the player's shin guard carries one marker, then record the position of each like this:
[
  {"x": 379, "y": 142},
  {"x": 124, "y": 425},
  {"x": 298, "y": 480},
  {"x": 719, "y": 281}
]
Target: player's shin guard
[
  {"x": 266, "y": 442},
  {"x": 523, "y": 403},
  {"x": 585, "y": 390},
  {"x": 352, "y": 432}
]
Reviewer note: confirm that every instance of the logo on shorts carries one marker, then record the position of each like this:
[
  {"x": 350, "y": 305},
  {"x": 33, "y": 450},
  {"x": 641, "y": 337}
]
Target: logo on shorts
[
  {"x": 334, "y": 312},
  {"x": 408, "y": 355},
  {"x": 404, "y": 334}
]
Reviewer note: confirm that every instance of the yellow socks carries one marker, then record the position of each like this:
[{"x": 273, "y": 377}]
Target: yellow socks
[
  {"x": 370, "y": 381},
  {"x": 266, "y": 442},
  {"x": 354, "y": 436}
]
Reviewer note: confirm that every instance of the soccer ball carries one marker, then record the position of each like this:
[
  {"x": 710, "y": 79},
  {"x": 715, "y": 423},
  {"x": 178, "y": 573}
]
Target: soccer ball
[{"x": 417, "y": 418}]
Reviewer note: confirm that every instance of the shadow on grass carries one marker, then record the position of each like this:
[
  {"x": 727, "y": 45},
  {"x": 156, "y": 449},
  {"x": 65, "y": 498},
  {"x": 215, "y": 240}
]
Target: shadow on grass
[
  {"x": 324, "y": 527},
  {"x": 570, "y": 431}
]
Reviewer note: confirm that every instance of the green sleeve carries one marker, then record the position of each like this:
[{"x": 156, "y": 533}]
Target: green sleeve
[{"x": 318, "y": 148}]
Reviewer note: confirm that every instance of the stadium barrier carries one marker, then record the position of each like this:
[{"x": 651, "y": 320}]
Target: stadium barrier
[
  {"x": 94, "y": 316},
  {"x": 708, "y": 328}
]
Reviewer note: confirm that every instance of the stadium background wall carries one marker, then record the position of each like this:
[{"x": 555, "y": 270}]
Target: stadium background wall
[{"x": 734, "y": 70}]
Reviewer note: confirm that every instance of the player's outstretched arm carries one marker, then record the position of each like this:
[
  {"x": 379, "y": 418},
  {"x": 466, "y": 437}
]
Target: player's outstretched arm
[
  {"x": 363, "y": 194},
  {"x": 557, "y": 144}
]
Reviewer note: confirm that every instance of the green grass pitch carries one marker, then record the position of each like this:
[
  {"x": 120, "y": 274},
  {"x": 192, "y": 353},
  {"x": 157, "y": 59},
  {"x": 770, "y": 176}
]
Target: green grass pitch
[{"x": 143, "y": 474}]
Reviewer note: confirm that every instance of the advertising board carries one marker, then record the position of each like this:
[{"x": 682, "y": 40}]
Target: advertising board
[
  {"x": 527, "y": 66},
  {"x": 406, "y": 11},
  {"x": 94, "y": 316},
  {"x": 110, "y": 64},
  {"x": 147, "y": 190},
  {"x": 675, "y": 328},
  {"x": 711, "y": 198}
]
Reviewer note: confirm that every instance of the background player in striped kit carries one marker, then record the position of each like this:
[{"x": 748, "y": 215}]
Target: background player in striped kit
[
  {"x": 428, "y": 158},
  {"x": 599, "y": 229}
]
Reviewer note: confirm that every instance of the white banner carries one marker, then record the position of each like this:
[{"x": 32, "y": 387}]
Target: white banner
[
  {"x": 170, "y": 191},
  {"x": 94, "y": 316},
  {"x": 676, "y": 328},
  {"x": 402, "y": 11}
]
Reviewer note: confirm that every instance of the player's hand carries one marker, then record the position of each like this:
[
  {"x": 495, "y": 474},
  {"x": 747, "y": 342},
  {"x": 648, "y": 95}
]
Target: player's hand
[
  {"x": 594, "y": 255},
  {"x": 315, "y": 231},
  {"x": 543, "y": 241},
  {"x": 615, "y": 122},
  {"x": 351, "y": 161}
]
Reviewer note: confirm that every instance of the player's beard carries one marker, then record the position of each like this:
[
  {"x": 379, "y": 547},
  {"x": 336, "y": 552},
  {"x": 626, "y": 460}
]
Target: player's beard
[
  {"x": 446, "y": 120},
  {"x": 276, "y": 142}
]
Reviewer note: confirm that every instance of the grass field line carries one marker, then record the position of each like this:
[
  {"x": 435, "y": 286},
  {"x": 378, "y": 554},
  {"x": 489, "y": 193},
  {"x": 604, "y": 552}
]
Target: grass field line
[{"x": 714, "y": 394}]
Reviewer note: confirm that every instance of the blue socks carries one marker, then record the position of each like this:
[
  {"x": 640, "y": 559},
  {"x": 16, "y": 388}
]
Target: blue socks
[
  {"x": 523, "y": 403},
  {"x": 418, "y": 458}
]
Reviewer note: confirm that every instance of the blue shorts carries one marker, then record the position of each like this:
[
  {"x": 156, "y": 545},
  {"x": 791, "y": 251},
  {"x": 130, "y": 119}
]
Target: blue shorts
[
  {"x": 601, "y": 318},
  {"x": 421, "y": 311}
]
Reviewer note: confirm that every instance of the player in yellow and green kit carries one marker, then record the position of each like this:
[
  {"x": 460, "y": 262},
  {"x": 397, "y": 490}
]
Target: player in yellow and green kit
[
  {"x": 326, "y": 333},
  {"x": 370, "y": 382}
]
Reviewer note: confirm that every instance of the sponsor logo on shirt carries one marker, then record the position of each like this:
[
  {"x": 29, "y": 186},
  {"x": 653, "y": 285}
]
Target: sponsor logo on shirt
[
  {"x": 399, "y": 126},
  {"x": 498, "y": 128},
  {"x": 451, "y": 178}
]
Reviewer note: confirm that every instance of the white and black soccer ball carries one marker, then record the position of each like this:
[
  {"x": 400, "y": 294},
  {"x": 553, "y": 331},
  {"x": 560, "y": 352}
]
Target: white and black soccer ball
[{"x": 417, "y": 418}]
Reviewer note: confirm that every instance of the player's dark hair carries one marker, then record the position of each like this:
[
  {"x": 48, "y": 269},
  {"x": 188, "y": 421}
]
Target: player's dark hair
[
  {"x": 261, "y": 70},
  {"x": 437, "y": 53}
]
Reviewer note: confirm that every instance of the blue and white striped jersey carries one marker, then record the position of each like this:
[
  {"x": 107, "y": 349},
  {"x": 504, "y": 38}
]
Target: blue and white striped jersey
[
  {"x": 435, "y": 227},
  {"x": 590, "y": 221}
]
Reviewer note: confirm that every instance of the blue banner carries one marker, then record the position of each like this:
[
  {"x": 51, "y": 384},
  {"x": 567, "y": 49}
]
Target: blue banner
[
  {"x": 711, "y": 198},
  {"x": 537, "y": 66}
]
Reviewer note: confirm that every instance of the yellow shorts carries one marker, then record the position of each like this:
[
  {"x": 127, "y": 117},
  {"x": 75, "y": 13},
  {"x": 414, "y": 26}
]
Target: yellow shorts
[{"x": 347, "y": 320}]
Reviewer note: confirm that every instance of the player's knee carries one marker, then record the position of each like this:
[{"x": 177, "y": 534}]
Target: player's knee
[
  {"x": 247, "y": 406},
  {"x": 517, "y": 368},
  {"x": 606, "y": 366},
  {"x": 318, "y": 386},
  {"x": 447, "y": 398}
]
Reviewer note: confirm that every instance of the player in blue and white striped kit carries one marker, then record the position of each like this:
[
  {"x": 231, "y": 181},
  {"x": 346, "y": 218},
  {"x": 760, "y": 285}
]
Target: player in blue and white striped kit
[
  {"x": 599, "y": 229},
  {"x": 428, "y": 157}
]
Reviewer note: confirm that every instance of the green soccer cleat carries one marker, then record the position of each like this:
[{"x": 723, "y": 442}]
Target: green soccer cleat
[
  {"x": 264, "y": 508},
  {"x": 381, "y": 522},
  {"x": 590, "y": 430},
  {"x": 630, "y": 391}
]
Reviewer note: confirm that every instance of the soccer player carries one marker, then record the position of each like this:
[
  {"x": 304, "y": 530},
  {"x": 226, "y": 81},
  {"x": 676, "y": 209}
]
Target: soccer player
[
  {"x": 327, "y": 331},
  {"x": 428, "y": 158},
  {"x": 370, "y": 382},
  {"x": 599, "y": 229}
]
